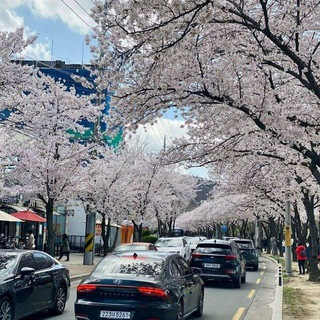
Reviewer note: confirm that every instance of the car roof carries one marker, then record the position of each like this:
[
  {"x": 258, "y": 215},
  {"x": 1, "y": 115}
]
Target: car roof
[
  {"x": 242, "y": 240},
  {"x": 144, "y": 253},
  {"x": 215, "y": 241},
  {"x": 162, "y": 238},
  {"x": 17, "y": 251},
  {"x": 135, "y": 244}
]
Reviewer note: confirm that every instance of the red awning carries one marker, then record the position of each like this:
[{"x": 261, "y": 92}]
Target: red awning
[{"x": 28, "y": 216}]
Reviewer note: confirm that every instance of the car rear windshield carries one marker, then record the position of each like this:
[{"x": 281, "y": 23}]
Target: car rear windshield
[
  {"x": 244, "y": 245},
  {"x": 213, "y": 248},
  {"x": 7, "y": 263},
  {"x": 131, "y": 247},
  {"x": 130, "y": 266},
  {"x": 169, "y": 243}
]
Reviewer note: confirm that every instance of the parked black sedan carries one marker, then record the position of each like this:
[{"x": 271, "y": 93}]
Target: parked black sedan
[
  {"x": 31, "y": 281},
  {"x": 139, "y": 286}
]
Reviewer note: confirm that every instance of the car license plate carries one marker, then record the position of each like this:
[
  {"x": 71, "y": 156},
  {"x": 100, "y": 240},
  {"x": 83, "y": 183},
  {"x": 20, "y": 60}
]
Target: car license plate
[
  {"x": 212, "y": 265},
  {"x": 115, "y": 314}
]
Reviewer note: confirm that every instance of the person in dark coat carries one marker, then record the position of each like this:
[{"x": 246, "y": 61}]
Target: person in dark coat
[{"x": 64, "y": 247}]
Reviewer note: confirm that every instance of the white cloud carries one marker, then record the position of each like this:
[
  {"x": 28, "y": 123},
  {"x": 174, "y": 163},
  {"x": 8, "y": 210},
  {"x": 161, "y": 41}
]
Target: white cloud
[
  {"x": 69, "y": 12},
  {"x": 37, "y": 51},
  {"x": 155, "y": 137},
  {"x": 9, "y": 20},
  {"x": 50, "y": 10}
]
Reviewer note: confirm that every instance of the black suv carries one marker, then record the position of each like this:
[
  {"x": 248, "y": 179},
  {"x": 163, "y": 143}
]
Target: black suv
[
  {"x": 219, "y": 260},
  {"x": 250, "y": 253}
]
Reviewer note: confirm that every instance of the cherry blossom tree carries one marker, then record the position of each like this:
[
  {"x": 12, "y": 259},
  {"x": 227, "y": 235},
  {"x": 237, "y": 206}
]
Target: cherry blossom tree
[
  {"x": 236, "y": 71},
  {"x": 129, "y": 184},
  {"x": 14, "y": 78},
  {"x": 246, "y": 82},
  {"x": 47, "y": 163}
]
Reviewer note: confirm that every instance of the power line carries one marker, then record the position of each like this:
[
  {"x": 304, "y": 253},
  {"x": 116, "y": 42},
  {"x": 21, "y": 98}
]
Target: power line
[
  {"x": 77, "y": 14},
  {"x": 82, "y": 7}
]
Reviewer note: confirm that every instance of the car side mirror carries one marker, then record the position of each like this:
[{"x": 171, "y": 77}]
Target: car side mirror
[
  {"x": 27, "y": 271},
  {"x": 196, "y": 270},
  {"x": 189, "y": 276}
]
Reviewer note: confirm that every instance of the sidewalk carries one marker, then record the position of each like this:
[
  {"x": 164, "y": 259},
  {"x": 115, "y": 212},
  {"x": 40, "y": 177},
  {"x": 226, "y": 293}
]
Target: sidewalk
[
  {"x": 76, "y": 267},
  {"x": 267, "y": 303}
]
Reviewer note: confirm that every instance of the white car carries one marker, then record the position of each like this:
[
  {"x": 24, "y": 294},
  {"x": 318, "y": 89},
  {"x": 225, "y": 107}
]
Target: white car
[
  {"x": 175, "y": 245},
  {"x": 193, "y": 242}
]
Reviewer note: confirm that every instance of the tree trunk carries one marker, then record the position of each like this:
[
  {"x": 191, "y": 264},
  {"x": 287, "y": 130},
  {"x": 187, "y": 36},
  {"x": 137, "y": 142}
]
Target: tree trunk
[
  {"x": 115, "y": 239},
  {"x": 50, "y": 230},
  {"x": 313, "y": 260}
]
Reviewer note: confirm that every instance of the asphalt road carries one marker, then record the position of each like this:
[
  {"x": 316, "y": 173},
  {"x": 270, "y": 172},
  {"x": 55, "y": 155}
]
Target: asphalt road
[{"x": 222, "y": 301}]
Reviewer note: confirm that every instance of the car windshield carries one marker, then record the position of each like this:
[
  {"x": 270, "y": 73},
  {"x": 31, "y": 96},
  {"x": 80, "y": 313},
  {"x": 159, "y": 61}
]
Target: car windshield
[
  {"x": 131, "y": 247},
  {"x": 210, "y": 248},
  {"x": 130, "y": 266},
  {"x": 169, "y": 243},
  {"x": 7, "y": 263}
]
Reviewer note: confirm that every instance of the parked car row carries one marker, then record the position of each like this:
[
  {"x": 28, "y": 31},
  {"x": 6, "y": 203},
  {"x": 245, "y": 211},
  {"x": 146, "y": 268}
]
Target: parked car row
[{"x": 138, "y": 281}]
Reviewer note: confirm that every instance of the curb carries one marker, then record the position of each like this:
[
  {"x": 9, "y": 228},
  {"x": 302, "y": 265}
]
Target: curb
[
  {"x": 78, "y": 277},
  {"x": 277, "y": 311}
]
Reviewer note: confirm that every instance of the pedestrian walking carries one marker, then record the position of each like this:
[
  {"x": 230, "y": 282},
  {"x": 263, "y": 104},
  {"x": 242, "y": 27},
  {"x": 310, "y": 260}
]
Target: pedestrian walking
[
  {"x": 302, "y": 257},
  {"x": 64, "y": 247}
]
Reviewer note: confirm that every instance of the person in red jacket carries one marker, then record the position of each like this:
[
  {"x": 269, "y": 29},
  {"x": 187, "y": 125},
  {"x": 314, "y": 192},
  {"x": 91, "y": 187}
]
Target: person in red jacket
[{"x": 302, "y": 257}]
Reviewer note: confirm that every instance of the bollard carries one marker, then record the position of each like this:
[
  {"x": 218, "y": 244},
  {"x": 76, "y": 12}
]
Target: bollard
[{"x": 280, "y": 275}]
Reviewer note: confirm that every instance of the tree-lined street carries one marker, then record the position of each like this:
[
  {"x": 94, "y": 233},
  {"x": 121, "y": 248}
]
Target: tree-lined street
[{"x": 222, "y": 302}]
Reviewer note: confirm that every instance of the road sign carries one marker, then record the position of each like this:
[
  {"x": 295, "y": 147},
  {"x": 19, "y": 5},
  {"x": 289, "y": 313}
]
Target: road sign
[{"x": 224, "y": 228}]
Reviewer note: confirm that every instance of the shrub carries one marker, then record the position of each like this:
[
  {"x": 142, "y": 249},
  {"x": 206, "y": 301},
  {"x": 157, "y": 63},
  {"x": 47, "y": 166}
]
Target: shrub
[{"x": 150, "y": 238}]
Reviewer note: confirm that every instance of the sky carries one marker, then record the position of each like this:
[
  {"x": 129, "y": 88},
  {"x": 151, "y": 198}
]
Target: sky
[{"x": 61, "y": 27}]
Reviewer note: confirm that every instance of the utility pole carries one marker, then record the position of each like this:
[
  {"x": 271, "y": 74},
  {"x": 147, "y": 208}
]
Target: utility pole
[
  {"x": 89, "y": 247},
  {"x": 287, "y": 233}
]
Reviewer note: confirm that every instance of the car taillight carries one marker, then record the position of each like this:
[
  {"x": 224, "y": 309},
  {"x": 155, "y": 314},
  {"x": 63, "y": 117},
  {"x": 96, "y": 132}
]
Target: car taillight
[
  {"x": 152, "y": 292},
  {"x": 196, "y": 255},
  {"x": 230, "y": 257},
  {"x": 86, "y": 287}
]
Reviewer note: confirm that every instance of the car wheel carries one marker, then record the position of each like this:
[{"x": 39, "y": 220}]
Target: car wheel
[
  {"x": 180, "y": 315},
  {"x": 243, "y": 279},
  {"x": 237, "y": 282},
  {"x": 60, "y": 302},
  {"x": 199, "y": 311},
  {"x": 6, "y": 309},
  {"x": 256, "y": 267}
]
